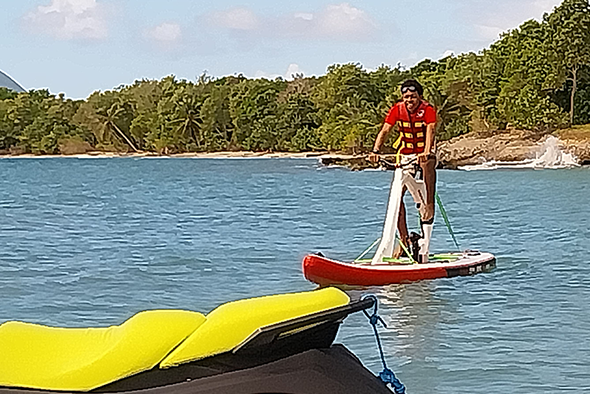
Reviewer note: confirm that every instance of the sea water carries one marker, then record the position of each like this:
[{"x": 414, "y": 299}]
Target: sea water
[{"x": 90, "y": 242}]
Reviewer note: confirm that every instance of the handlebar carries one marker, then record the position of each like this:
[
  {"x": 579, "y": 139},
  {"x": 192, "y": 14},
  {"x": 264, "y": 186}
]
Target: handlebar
[{"x": 411, "y": 162}]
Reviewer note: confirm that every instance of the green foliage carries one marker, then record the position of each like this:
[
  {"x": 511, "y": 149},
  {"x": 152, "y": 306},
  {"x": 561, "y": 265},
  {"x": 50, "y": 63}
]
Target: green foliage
[
  {"x": 569, "y": 25},
  {"x": 446, "y": 86},
  {"x": 35, "y": 121},
  {"x": 569, "y": 43},
  {"x": 256, "y": 112},
  {"x": 299, "y": 123},
  {"x": 108, "y": 117},
  {"x": 350, "y": 106},
  {"x": 216, "y": 122},
  {"x": 7, "y": 94},
  {"x": 530, "y": 78},
  {"x": 526, "y": 108}
]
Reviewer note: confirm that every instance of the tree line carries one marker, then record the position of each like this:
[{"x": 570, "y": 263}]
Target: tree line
[{"x": 534, "y": 77}]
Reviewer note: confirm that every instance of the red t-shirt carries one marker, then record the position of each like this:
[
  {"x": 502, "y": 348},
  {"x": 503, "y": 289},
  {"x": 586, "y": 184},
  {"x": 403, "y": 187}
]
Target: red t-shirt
[{"x": 425, "y": 114}]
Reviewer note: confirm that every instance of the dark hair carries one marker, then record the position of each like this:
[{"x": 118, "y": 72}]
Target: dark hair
[{"x": 412, "y": 83}]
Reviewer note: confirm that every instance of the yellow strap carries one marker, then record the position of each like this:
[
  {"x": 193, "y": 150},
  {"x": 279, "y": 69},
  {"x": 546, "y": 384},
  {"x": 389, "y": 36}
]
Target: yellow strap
[
  {"x": 397, "y": 145},
  {"x": 398, "y": 141}
]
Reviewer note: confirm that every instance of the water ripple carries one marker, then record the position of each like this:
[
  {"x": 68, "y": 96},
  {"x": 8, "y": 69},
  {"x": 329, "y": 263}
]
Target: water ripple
[{"x": 91, "y": 242}]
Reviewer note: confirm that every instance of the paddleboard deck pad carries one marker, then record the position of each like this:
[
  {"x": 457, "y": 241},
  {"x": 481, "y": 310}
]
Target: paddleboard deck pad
[{"x": 327, "y": 272}]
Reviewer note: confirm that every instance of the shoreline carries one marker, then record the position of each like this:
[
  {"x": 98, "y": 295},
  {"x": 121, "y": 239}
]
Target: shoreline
[
  {"x": 193, "y": 155},
  {"x": 478, "y": 148},
  {"x": 352, "y": 162}
]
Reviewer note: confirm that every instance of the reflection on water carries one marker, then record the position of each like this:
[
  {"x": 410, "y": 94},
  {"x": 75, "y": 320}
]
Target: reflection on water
[{"x": 91, "y": 242}]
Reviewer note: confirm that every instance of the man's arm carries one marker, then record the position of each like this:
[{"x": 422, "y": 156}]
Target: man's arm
[
  {"x": 430, "y": 131},
  {"x": 379, "y": 141},
  {"x": 430, "y": 119}
]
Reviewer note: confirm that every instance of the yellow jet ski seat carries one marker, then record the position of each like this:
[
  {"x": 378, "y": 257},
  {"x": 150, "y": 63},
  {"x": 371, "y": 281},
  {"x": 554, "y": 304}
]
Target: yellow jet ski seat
[
  {"x": 82, "y": 359},
  {"x": 231, "y": 325}
]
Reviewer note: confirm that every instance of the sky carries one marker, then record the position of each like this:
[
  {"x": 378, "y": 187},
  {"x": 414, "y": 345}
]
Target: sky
[{"x": 79, "y": 46}]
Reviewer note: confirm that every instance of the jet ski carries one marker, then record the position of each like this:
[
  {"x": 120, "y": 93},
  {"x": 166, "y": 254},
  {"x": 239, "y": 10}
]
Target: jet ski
[{"x": 274, "y": 344}]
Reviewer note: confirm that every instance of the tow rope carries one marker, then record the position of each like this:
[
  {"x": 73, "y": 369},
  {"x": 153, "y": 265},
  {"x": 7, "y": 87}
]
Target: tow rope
[
  {"x": 446, "y": 218},
  {"x": 405, "y": 249},
  {"x": 367, "y": 250},
  {"x": 387, "y": 375}
]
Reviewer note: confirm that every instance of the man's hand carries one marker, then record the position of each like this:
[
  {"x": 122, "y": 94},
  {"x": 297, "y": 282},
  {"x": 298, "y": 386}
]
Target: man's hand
[
  {"x": 424, "y": 157},
  {"x": 374, "y": 157}
]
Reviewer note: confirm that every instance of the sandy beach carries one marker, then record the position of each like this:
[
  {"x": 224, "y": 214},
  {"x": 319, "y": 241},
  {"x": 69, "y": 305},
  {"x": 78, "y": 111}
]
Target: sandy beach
[{"x": 199, "y": 155}]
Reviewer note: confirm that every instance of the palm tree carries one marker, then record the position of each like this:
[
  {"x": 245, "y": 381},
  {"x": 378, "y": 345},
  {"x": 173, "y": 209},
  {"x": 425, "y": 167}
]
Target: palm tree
[
  {"x": 188, "y": 119},
  {"x": 109, "y": 124}
]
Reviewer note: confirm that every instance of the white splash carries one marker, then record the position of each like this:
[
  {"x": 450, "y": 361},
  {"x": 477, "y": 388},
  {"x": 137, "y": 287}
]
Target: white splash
[
  {"x": 550, "y": 156},
  {"x": 553, "y": 157}
]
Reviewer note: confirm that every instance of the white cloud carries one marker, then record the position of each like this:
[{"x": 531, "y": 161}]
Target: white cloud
[
  {"x": 343, "y": 20},
  {"x": 304, "y": 15},
  {"x": 166, "y": 33},
  {"x": 447, "y": 53},
  {"x": 236, "y": 18},
  {"x": 333, "y": 22},
  {"x": 292, "y": 70},
  {"x": 490, "y": 33},
  {"x": 69, "y": 19},
  {"x": 489, "y": 19},
  {"x": 266, "y": 75}
]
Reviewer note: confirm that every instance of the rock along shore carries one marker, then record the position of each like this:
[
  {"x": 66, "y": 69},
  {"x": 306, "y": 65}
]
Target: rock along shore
[
  {"x": 497, "y": 146},
  {"x": 511, "y": 146}
]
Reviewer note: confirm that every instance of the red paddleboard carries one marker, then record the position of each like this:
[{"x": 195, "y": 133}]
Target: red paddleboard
[{"x": 327, "y": 272}]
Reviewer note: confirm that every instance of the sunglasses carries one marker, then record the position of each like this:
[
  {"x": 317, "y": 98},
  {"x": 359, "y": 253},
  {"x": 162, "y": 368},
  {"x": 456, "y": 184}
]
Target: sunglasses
[{"x": 406, "y": 89}]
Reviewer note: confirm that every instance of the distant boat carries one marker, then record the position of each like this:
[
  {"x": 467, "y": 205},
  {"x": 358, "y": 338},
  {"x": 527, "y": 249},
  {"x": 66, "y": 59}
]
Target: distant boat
[{"x": 7, "y": 82}]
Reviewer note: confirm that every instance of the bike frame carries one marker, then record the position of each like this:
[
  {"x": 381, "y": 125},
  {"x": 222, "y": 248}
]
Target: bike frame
[{"x": 404, "y": 178}]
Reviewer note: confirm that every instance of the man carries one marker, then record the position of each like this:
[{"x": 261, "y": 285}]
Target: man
[{"x": 416, "y": 120}]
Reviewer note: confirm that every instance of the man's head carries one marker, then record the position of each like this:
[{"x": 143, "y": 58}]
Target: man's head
[{"x": 412, "y": 93}]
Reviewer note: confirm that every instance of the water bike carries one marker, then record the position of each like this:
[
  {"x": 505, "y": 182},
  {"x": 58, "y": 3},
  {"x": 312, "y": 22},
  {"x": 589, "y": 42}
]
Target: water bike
[
  {"x": 418, "y": 263},
  {"x": 275, "y": 344}
]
